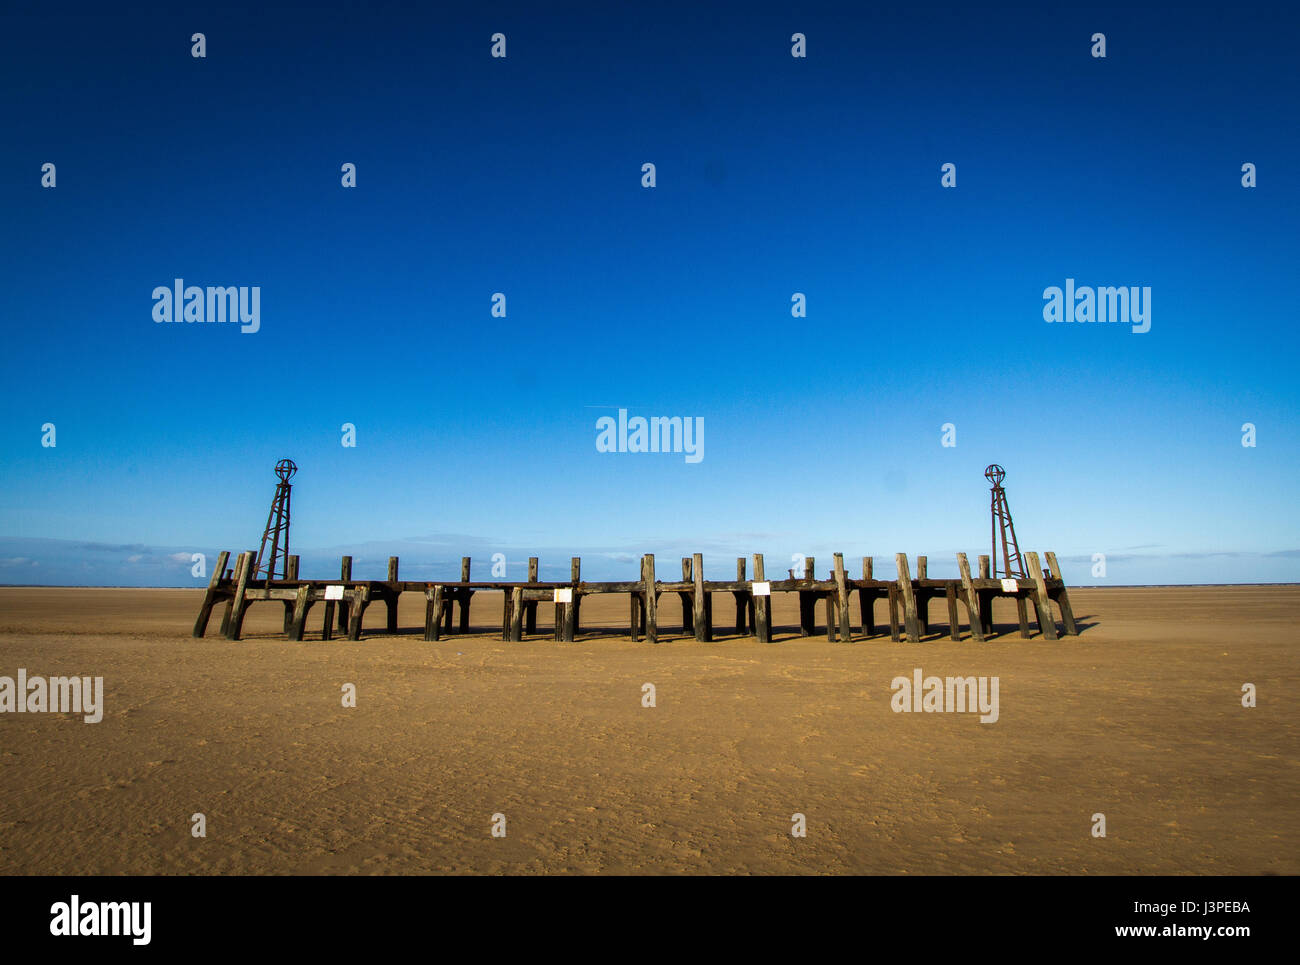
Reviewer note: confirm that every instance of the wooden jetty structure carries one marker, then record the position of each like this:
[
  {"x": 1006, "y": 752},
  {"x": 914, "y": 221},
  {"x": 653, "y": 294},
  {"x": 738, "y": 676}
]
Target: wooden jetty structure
[{"x": 909, "y": 599}]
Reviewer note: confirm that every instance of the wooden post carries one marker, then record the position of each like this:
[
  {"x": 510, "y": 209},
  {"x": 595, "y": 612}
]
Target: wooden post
[
  {"x": 209, "y": 598},
  {"x": 986, "y": 598},
  {"x": 972, "y": 601},
  {"x": 569, "y": 615},
  {"x": 909, "y": 599},
  {"x": 391, "y": 602},
  {"x": 327, "y": 625},
  {"x": 985, "y": 572},
  {"x": 842, "y": 598},
  {"x": 517, "y": 613},
  {"x": 433, "y": 612},
  {"x": 1046, "y": 622},
  {"x": 507, "y": 612},
  {"x": 832, "y": 621},
  {"x": 573, "y": 620},
  {"x": 290, "y": 574},
  {"x": 1062, "y": 597},
  {"x": 1023, "y": 612},
  {"x": 233, "y": 576},
  {"x": 923, "y": 598},
  {"x": 243, "y": 573},
  {"x": 953, "y": 629},
  {"x": 361, "y": 601},
  {"x": 530, "y": 625},
  {"x": 762, "y": 605},
  {"x": 345, "y": 574},
  {"x": 702, "y": 610},
  {"x": 894, "y": 633},
  {"x": 651, "y": 600},
  {"x": 741, "y": 603},
  {"x": 867, "y": 601},
  {"x": 634, "y": 599},
  {"x": 465, "y": 595},
  {"x": 807, "y": 602},
  {"x": 688, "y": 599},
  {"x": 301, "y": 604}
]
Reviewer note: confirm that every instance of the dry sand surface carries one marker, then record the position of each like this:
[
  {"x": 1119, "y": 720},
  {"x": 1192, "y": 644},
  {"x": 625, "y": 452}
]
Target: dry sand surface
[{"x": 1139, "y": 718}]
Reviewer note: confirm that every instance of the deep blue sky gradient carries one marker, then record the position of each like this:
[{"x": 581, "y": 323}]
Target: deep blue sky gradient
[{"x": 775, "y": 175}]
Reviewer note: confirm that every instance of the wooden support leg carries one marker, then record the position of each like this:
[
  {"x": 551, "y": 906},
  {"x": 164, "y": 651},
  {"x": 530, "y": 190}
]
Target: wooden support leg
[
  {"x": 986, "y": 610},
  {"x": 808, "y": 601},
  {"x": 688, "y": 599},
  {"x": 517, "y": 614},
  {"x": 700, "y": 600},
  {"x": 972, "y": 605},
  {"x": 741, "y": 603},
  {"x": 433, "y": 612},
  {"x": 360, "y": 600},
  {"x": 466, "y": 595},
  {"x": 327, "y": 625},
  {"x": 1042, "y": 603},
  {"x": 867, "y": 600},
  {"x": 1023, "y": 612},
  {"x": 635, "y": 601},
  {"x": 345, "y": 574},
  {"x": 651, "y": 598},
  {"x": 530, "y": 623},
  {"x": 923, "y": 597},
  {"x": 894, "y": 633},
  {"x": 1062, "y": 597},
  {"x": 210, "y": 598},
  {"x": 842, "y": 598},
  {"x": 954, "y": 630},
  {"x": 301, "y": 604},
  {"x": 239, "y": 605},
  {"x": 571, "y": 619},
  {"x": 762, "y": 605},
  {"x": 913, "y": 625},
  {"x": 395, "y": 593},
  {"x": 575, "y": 620},
  {"x": 507, "y": 613},
  {"x": 832, "y": 621}
]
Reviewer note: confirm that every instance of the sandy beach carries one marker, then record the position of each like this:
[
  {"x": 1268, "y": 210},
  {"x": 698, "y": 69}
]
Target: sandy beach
[{"x": 1140, "y": 718}]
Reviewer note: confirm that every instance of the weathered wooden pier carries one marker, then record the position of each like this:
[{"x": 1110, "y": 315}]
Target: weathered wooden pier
[{"x": 909, "y": 600}]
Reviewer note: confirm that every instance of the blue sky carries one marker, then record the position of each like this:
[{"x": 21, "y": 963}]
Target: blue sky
[{"x": 775, "y": 175}]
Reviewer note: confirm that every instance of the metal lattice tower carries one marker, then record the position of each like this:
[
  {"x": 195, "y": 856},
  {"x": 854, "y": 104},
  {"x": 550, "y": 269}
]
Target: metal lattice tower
[
  {"x": 1012, "y": 564},
  {"x": 277, "y": 527}
]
